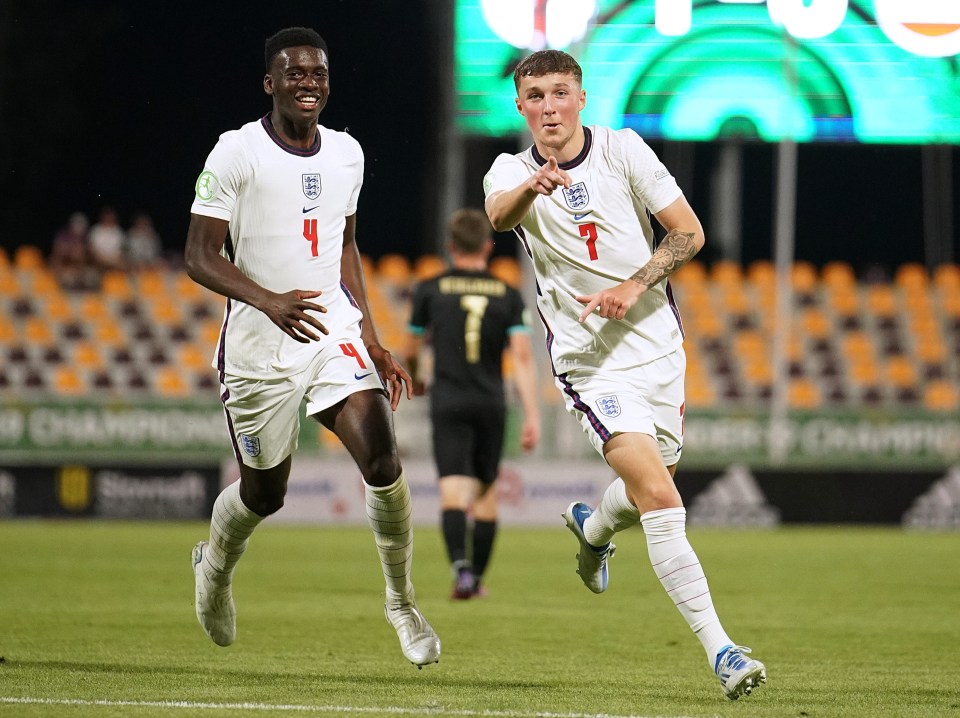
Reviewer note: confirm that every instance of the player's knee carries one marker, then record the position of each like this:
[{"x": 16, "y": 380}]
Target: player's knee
[
  {"x": 264, "y": 503},
  {"x": 382, "y": 471}
]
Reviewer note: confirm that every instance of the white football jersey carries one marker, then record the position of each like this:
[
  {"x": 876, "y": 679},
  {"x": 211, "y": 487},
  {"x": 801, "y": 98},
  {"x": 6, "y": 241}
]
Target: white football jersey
[
  {"x": 592, "y": 236},
  {"x": 286, "y": 209}
]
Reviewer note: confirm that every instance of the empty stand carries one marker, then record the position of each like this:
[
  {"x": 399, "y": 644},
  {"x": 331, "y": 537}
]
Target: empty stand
[{"x": 851, "y": 344}]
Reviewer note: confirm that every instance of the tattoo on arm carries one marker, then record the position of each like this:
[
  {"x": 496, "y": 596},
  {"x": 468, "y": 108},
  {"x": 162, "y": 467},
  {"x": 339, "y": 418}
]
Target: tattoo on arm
[{"x": 676, "y": 249}]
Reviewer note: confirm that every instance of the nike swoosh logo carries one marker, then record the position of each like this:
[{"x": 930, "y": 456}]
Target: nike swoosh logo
[
  {"x": 578, "y": 217},
  {"x": 309, "y": 209},
  {"x": 358, "y": 377}
]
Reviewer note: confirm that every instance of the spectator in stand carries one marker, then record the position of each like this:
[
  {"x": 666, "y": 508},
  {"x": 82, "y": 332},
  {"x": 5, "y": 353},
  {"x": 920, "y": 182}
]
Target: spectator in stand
[
  {"x": 107, "y": 241},
  {"x": 70, "y": 256},
  {"x": 144, "y": 248}
]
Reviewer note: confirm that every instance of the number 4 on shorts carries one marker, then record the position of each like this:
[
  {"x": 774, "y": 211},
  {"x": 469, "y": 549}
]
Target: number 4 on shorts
[{"x": 351, "y": 351}]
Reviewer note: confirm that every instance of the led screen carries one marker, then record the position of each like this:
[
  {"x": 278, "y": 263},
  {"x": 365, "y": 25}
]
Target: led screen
[{"x": 807, "y": 70}]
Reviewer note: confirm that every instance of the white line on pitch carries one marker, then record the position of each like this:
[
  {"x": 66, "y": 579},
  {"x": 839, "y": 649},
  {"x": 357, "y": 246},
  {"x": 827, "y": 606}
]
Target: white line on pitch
[{"x": 292, "y": 707}]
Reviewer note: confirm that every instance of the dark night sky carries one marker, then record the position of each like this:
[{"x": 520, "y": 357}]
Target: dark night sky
[{"x": 118, "y": 103}]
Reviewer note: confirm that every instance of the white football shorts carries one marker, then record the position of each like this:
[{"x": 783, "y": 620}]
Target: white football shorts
[
  {"x": 263, "y": 415},
  {"x": 647, "y": 399}
]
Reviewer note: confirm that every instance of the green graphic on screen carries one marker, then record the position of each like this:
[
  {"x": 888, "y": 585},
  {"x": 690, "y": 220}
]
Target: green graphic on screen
[{"x": 807, "y": 70}]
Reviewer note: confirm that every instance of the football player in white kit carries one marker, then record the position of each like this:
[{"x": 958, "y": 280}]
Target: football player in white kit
[
  {"x": 580, "y": 201},
  {"x": 273, "y": 230}
]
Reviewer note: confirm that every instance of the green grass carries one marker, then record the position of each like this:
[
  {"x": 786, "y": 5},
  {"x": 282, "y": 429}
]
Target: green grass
[{"x": 850, "y": 622}]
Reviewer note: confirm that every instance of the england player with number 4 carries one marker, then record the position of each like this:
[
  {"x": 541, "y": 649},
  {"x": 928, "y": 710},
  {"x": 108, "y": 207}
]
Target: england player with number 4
[{"x": 273, "y": 230}]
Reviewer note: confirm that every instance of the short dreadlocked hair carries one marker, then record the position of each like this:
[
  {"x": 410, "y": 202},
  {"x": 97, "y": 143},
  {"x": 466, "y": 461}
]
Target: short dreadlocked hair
[
  {"x": 291, "y": 37},
  {"x": 546, "y": 62}
]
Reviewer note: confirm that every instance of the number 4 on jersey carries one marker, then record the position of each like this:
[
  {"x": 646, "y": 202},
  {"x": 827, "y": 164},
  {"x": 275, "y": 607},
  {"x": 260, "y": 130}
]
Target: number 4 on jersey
[{"x": 310, "y": 234}]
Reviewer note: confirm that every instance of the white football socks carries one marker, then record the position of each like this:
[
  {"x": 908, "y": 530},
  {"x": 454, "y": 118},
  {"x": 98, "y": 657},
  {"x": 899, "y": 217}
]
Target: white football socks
[
  {"x": 679, "y": 571},
  {"x": 614, "y": 513},
  {"x": 388, "y": 513},
  {"x": 230, "y": 527}
]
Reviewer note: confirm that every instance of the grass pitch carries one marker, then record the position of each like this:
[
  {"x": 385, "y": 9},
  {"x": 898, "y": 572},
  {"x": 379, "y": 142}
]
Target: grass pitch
[{"x": 96, "y": 619}]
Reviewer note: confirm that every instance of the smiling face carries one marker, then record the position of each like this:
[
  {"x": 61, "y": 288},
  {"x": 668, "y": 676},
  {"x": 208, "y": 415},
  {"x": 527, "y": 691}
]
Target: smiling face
[
  {"x": 551, "y": 105},
  {"x": 299, "y": 82}
]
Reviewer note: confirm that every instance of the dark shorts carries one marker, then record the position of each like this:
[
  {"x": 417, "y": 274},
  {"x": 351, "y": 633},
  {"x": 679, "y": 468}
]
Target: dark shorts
[{"x": 468, "y": 439}]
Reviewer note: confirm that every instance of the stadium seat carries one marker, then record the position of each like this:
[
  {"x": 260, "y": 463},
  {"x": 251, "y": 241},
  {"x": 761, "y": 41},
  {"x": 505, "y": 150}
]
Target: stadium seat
[
  {"x": 116, "y": 285},
  {"x": 185, "y": 289},
  {"x": 152, "y": 284},
  {"x": 93, "y": 308},
  {"x": 58, "y": 307},
  {"x": 881, "y": 300},
  {"x": 428, "y": 266},
  {"x": 838, "y": 275},
  {"x": 947, "y": 277},
  {"x": 170, "y": 383},
  {"x": 394, "y": 269},
  {"x": 692, "y": 273},
  {"x": 67, "y": 381},
  {"x": 725, "y": 272},
  {"x": 803, "y": 276},
  {"x": 86, "y": 355},
  {"x": 762, "y": 274},
  {"x": 27, "y": 256},
  {"x": 8, "y": 332},
  {"x": 803, "y": 394},
  {"x": 37, "y": 332},
  {"x": 507, "y": 269},
  {"x": 911, "y": 277},
  {"x": 941, "y": 396},
  {"x": 900, "y": 372}
]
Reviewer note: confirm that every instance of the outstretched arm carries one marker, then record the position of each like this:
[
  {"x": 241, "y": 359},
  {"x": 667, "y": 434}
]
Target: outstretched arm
[
  {"x": 351, "y": 272},
  {"x": 206, "y": 266},
  {"x": 683, "y": 240},
  {"x": 507, "y": 208}
]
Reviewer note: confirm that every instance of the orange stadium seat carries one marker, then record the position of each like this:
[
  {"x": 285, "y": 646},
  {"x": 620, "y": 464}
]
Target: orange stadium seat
[
  {"x": 169, "y": 382},
  {"x": 838, "y": 275},
  {"x": 394, "y": 268},
  {"x": 27, "y": 256},
  {"x": 881, "y": 300},
  {"x": 507, "y": 269},
  {"x": 803, "y": 394},
  {"x": 941, "y": 395},
  {"x": 152, "y": 284},
  {"x": 86, "y": 355},
  {"x": 185, "y": 289},
  {"x": 428, "y": 266},
  {"x": 911, "y": 277},
  {"x": 803, "y": 276},
  {"x": 947, "y": 277},
  {"x": 762, "y": 273},
  {"x": 691, "y": 273},
  {"x": 116, "y": 285},
  {"x": 67, "y": 381},
  {"x": 726, "y": 272}
]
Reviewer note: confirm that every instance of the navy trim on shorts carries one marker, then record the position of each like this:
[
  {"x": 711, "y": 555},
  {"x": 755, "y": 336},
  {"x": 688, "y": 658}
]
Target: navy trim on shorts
[
  {"x": 222, "y": 343},
  {"x": 233, "y": 434},
  {"x": 675, "y": 308},
  {"x": 578, "y": 404}
]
